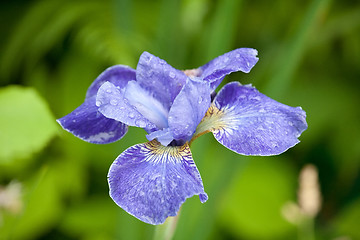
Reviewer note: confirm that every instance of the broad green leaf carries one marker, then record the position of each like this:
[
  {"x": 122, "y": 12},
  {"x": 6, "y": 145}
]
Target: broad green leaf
[
  {"x": 42, "y": 208},
  {"x": 26, "y": 123}
]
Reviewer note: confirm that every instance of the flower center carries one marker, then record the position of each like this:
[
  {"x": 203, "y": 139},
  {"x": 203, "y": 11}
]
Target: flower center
[{"x": 146, "y": 104}]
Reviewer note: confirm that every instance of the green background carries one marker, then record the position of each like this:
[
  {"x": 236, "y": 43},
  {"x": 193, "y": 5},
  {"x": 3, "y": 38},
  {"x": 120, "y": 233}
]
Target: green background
[{"x": 51, "y": 51}]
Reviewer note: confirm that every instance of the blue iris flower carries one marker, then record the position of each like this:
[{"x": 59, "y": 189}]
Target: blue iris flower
[{"x": 151, "y": 180}]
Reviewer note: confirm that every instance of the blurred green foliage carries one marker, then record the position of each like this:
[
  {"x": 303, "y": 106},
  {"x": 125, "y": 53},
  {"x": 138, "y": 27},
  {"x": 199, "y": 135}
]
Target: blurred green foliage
[{"x": 51, "y": 50}]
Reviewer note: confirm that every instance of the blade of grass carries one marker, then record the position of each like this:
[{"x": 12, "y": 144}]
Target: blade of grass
[
  {"x": 169, "y": 39},
  {"x": 219, "y": 35},
  {"x": 291, "y": 55}
]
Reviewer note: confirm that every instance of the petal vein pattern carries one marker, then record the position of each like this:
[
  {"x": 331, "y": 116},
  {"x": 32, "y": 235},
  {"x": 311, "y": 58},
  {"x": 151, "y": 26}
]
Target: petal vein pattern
[
  {"x": 151, "y": 181},
  {"x": 249, "y": 123}
]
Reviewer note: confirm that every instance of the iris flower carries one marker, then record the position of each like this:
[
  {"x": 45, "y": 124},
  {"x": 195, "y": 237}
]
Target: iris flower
[{"x": 151, "y": 180}]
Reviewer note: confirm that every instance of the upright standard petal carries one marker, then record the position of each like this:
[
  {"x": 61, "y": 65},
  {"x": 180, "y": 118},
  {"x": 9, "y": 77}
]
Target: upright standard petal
[
  {"x": 119, "y": 75},
  {"x": 241, "y": 59},
  {"x": 113, "y": 105},
  {"x": 189, "y": 108},
  {"x": 159, "y": 78},
  {"x": 250, "y": 123},
  {"x": 86, "y": 123},
  {"x": 151, "y": 181}
]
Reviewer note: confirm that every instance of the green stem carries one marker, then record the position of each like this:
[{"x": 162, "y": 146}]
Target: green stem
[
  {"x": 306, "y": 229},
  {"x": 166, "y": 231}
]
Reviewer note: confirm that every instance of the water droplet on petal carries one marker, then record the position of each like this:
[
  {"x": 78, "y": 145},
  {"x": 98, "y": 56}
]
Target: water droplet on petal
[
  {"x": 274, "y": 145},
  {"x": 113, "y": 102},
  {"x": 200, "y": 100},
  {"x": 108, "y": 90},
  {"x": 238, "y": 55},
  {"x": 262, "y": 110},
  {"x": 226, "y": 59},
  {"x": 98, "y": 103},
  {"x": 140, "y": 123},
  {"x": 131, "y": 115},
  {"x": 256, "y": 98},
  {"x": 176, "y": 131},
  {"x": 171, "y": 74},
  {"x": 242, "y": 96}
]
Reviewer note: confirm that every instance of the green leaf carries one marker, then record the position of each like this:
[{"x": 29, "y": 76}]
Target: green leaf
[
  {"x": 42, "y": 208},
  {"x": 26, "y": 123}
]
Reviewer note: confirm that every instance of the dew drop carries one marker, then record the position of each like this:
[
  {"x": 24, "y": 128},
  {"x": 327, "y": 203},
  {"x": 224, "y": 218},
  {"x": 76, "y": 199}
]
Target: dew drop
[
  {"x": 238, "y": 55},
  {"x": 98, "y": 103},
  {"x": 140, "y": 123},
  {"x": 262, "y": 110},
  {"x": 176, "y": 131},
  {"x": 113, "y": 102},
  {"x": 226, "y": 59},
  {"x": 108, "y": 90},
  {"x": 172, "y": 75},
  {"x": 256, "y": 98},
  {"x": 200, "y": 100},
  {"x": 131, "y": 115}
]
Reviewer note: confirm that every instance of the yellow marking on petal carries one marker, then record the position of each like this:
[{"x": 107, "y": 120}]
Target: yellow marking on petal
[
  {"x": 212, "y": 121},
  {"x": 157, "y": 153}
]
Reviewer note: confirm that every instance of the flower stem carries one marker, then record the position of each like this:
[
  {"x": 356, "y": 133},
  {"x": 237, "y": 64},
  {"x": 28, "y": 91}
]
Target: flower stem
[
  {"x": 166, "y": 231},
  {"x": 306, "y": 229}
]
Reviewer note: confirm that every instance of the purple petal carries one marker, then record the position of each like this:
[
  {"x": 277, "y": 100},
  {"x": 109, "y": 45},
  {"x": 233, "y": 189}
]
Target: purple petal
[
  {"x": 250, "y": 123},
  {"x": 241, "y": 59},
  {"x": 151, "y": 181},
  {"x": 164, "y": 136},
  {"x": 146, "y": 104},
  {"x": 159, "y": 78},
  {"x": 86, "y": 123},
  {"x": 113, "y": 105},
  {"x": 189, "y": 108},
  {"x": 119, "y": 75}
]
